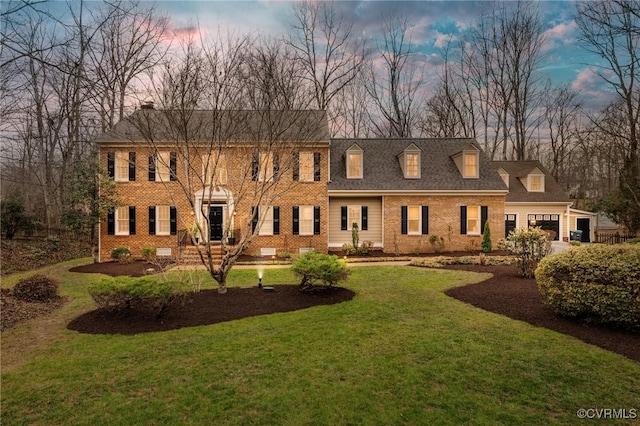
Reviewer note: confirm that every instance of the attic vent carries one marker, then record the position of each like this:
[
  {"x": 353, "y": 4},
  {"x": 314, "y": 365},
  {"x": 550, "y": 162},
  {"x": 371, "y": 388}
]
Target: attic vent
[{"x": 147, "y": 105}]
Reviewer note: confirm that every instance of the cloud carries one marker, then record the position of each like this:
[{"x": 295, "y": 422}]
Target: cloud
[
  {"x": 593, "y": 89},
  {"x": 563, "y": 33}
]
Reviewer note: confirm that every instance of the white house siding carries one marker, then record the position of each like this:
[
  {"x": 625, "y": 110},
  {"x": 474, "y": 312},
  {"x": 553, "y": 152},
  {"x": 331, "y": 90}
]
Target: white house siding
[
  {"x": 522, "y": 211},
  {"x": 338, "y": 237}
]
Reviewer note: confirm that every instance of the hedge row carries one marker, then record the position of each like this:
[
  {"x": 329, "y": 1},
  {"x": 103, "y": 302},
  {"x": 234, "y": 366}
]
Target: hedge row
[{"x": 595, "y": 283}]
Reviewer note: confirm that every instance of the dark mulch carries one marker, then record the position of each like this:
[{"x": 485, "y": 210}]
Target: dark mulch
[
  {"x": 508, "y": 294},
  {"x": 210, "y": 307},
  {"x": 136, "y": 268}
]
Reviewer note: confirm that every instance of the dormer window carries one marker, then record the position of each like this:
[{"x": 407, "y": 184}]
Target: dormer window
[
  {"x": 505, "y": 176},
  {"x": 536, "y": 183},
  {"x": 410, "y": 162},
  {"x": 470, "y": 164},
  {"x": 354, "y": 162}
]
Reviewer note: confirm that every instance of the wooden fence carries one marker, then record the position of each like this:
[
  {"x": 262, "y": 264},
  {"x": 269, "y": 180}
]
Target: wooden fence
[
  {"x": 60, "y": 233},
  {"x": 613, "y": 238}
]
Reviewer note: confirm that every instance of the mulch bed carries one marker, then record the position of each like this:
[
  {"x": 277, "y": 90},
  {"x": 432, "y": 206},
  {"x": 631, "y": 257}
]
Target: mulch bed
[
  {"x": 510, "y": 295},
  {"x": 137, "y": 268},
  {"x": 210, "y": 307}
]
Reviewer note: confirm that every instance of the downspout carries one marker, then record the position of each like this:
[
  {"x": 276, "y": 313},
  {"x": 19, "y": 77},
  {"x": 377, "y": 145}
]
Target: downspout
[{"x": 568, "y": 222}]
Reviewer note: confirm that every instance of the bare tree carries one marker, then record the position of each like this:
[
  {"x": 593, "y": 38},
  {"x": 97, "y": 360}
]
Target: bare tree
[{"x": 394, "y": 86}]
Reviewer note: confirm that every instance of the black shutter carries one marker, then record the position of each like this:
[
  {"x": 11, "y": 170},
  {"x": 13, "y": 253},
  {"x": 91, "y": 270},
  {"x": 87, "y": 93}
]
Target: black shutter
[
  {"x": 152, "y": 167},
  {"x": 111, "y": 164},
  {"x": 296, "y": 167},
  {"x": 364, "y": 217},
  {"x": 296, "y": 220},
  {"x": 276, "y": 220},
  {"x": 255, "y": 166},
  {"x": 316, "y": 220},
  {"x": 255, "y": 212},
  {"x": 425, "y": 220},
  {"x": 463, "y": 219},
  {"x": 403, "y": 220},
  {"x": 173, "y": 220},
  {"x": 132, "y": 220},
  {"x": 484, "y": 216},
  {"x": 132, "y": 166},
  {"x": 316, "y": 166},
  {"x": 111, "y": 222},
  {"x": 276, "y": 166},
  {"x": 152, "y": 220},
  {"x": 173, "y": 166},
  {"x": 343, "y": 218}
]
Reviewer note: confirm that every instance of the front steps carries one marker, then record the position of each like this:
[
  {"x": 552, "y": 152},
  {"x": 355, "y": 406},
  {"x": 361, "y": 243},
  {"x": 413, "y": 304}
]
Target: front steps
[{"x": 189, "y": 255}]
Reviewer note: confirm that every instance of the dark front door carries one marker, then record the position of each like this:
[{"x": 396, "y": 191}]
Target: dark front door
[
  {"x": 215, "y": 223},
  {"x": 584, "y": 225}
]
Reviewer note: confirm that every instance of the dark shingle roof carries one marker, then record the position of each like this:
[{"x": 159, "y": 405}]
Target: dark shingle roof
[
  {"x": 207, "y": 125},
  {"x": 518, "y": 192},
  {"x": 382, "y": 169}
]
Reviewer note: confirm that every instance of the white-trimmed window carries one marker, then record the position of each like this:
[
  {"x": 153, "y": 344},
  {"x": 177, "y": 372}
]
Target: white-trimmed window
[
  {"x": 536, "y": 183},
  {"x": 473, "y": 220},
  {"x": 122, "y": 166},
  {"x": 266, "y": 167},
  {"x": 163, "y": 220},
  {"x": 306, "y": 220},
  {"x": 266, "y": 214},
  {"x": 414, "y": 223},
  {"x": 163, "y": 169},
  {"x": 470, "y": 164},
  {"x": 306, "y": 167},
  {"x": 214, "y": 169},
  {"x": 354, "y": 216},
  {"x": 412, "y": 164},
  {"x": 122, "y": 221},
  {"x": 354, "y": 163}
]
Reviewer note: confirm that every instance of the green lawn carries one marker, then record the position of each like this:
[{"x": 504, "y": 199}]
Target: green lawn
[{"x": 400, "y": 353}]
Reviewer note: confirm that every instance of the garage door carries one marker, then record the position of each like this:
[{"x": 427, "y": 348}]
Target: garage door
[{"x": 548, "y": 222}]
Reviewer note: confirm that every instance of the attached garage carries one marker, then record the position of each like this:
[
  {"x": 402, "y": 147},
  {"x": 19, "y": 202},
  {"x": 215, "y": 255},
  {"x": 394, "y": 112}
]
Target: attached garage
[{"x": 547, "y": 222}]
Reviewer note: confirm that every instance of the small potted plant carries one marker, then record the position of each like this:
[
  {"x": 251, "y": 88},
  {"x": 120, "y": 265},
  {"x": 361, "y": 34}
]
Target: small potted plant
[
  {"x": 231, "y": 237},
  {"x": 193, "y": 230}
]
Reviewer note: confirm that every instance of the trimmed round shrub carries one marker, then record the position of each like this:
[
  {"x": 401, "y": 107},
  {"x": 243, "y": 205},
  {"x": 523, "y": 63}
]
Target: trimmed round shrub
[
  {"x": 315, "y": 268},
  {"x": 37, "y": 288},
  {"x": 595, "y": 283},
  {"x": 121, "y": 254}
]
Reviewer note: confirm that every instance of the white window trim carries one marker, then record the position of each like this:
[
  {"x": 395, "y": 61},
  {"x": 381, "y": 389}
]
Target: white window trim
[
  {"x": 530, "y": 181},
  {"x": 419, "y": 231},
  {"x": 464, "y": 164},
  {"x": 163, "y": 165},
  {"x": 406, "y": 165},
  {"x": 350, "y": 221},
  {"x": 355, "y": 152},
  {"x": 479, "y": 210},
  {"x": 300, "y": 219},
  {"x": 217, "y": 163},
  {"x": 265, "y": 166},
  {"x": 117, "y": 219},
  {"x": 121, "y": 156},
  {"x": 158, "y": 220},
  {"x": 266, "y": 213}
]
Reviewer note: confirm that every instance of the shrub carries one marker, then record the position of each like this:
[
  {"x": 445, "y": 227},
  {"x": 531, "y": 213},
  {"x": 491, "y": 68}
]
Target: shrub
[
  {"x": 366, "y": 247},
  {"x": 529, "y": 246},
  {"x": 315, "y": 268},
  {"x": 348, "y": 249},
  {"x": 574, "y": 243},
  {"x": 148, "y": 253},
  {"x": 355, "y": 236},
  {"x": 486, "y": 239},
  {"x": 633, "y": 241},
  {"x": 437, "y": 243},
  {"x": 121, "y": 254},
  {"x": 596, "y": 283},
  {"x": 146, "y": 294},
  {"x": 37, "y": 288}
]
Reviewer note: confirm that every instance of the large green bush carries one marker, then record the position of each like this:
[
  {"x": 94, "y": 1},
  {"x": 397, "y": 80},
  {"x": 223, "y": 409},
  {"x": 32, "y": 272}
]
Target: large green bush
[
  {"x": 315, "y": 268},
  {"x": 596, "y": 283},
  {"x": 146, "y": 294},
  {"x": 36, "y": 288}
]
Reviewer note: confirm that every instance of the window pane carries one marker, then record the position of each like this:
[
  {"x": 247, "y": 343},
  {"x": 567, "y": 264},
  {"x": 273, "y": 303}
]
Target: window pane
[
  {"x": 470, "y": 164},
  {"x": 306, "y": 220},
  {"x": 221, "y": 169},
  {"x": 412, "y": 165},
  {"x": 473, "y": 220},
  {"x": 266, "y": 167},
  {"x": 162, "y": 167},
  {"x": 414, "y": 219},
  {"x": 354, "y": 216},
  {"x": 122, "y": 166},
  {"x": 163, "y": 222},
  {"x": 535, "y": 183},
  {"x": 267, "y": 224},
  {"x": 354, "y": 169},
  {"x": 122, "y": 221},
  {"x": 306, "y": 166}
]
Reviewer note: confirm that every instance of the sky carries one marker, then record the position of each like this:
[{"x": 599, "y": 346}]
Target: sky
[{"x": 435, "y": 22}]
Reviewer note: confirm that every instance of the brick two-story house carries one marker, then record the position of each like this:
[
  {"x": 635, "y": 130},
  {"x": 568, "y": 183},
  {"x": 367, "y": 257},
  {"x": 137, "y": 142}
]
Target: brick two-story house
[{"x": 310, "y": 188}]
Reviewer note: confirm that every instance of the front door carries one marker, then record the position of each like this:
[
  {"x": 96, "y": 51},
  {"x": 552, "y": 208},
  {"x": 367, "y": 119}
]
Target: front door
[
  {"x": 215, "y": 223},
  {"x": 584, "y": 225}
]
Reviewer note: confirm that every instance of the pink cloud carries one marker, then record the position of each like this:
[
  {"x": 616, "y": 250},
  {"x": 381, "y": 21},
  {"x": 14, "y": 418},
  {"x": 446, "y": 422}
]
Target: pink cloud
[{"x": 563, "y": 33}]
